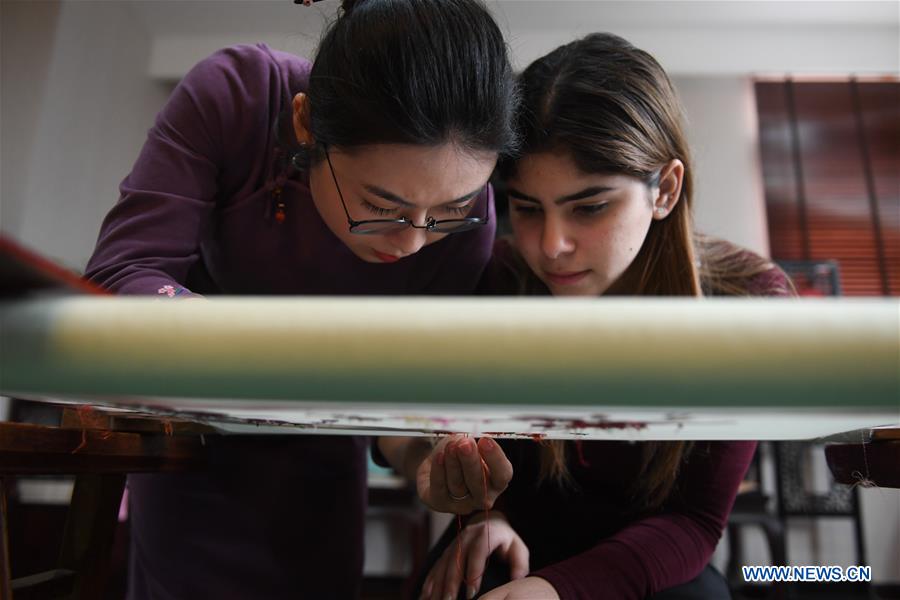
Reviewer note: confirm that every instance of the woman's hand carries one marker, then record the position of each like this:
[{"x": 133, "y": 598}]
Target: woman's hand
[
  {"x": 530, "y": 588},
  {"x": 461, "y": 476},
  {"x": 468, "y": 555}
]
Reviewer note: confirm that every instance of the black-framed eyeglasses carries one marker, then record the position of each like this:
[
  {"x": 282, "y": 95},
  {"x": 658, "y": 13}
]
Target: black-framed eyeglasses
[{"x": 376, "y": 226}]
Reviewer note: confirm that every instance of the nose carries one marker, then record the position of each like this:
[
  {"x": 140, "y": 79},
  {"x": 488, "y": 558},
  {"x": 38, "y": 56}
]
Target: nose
[
  {"x": 409, "y": 240},
  {"x": 555, "y": 238}
]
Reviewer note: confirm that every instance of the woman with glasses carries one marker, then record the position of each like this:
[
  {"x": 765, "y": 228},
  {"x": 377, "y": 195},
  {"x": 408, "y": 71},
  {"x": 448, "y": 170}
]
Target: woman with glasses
[
  {"x": 600, "y": 204},
  {"x": 363, "y": 172}
]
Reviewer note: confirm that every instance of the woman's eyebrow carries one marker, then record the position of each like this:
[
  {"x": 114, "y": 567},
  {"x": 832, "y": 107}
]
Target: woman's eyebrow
[
  {"x": 392, "y": 197},
  {"x": 511, "y": 191},
  {"x": 580, "y": 195},
  {"x": 585, "y": 193}
]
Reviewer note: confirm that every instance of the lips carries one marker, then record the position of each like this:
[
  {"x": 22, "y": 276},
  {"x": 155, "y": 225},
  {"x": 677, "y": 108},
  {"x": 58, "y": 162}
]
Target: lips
[
  {"x": 566, "y": 277},
  {"x": 388, "y": 258}
]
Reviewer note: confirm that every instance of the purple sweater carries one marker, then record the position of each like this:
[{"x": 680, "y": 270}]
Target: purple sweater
[
  {"x": 196, "y": 216},
  {"x": 589, "y": 542}
]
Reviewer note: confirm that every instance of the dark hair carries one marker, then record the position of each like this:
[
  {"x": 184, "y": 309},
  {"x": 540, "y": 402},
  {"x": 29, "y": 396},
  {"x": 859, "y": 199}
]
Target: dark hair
[
  {"x": 413, "y": 72},
  {"x": 608, "y": 103}
]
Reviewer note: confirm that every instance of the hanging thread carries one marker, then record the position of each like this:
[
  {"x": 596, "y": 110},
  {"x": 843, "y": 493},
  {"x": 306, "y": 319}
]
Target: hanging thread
[
  {"x": 863, "y": 480},
  {"x": 487, "y": 525},
  {"x": 81, "y": 411},
  {"x": 581, "y": 460}
]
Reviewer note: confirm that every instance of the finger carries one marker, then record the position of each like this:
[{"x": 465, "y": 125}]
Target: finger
[
  {"x": 425, "y": 594},
  {"x": 438, "y": 477},
  {"x": 473, "y": 470},
  {"x": 446, "y": 440},
  {"x": 447, "y": 567},
  {"x": 449, "y": 583},
  {"x": 456, "y": 482},
  {"x": 437, "y": 575},
  {"x": 499, "y": 467},
  {"x": 478, "y": 554},
  {"x": 517, "y": 555},
  {"x": 456, "y": 566}
]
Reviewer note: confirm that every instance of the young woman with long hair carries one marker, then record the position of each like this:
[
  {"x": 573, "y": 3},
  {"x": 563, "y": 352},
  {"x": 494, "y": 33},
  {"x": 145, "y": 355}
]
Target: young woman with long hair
[{"x": 600, "y": 205}]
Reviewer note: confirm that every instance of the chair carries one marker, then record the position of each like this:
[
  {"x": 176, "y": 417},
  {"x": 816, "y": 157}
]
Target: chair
[{"x": 754, "y": 507}]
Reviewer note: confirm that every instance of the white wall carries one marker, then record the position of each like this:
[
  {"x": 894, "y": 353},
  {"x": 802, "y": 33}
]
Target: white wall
[
  {"x": 690, "y": 37},
  {"x": 722, "y": 131},
  {"x": 87, "y": 106},
  {"x": 27, "y": 33}
]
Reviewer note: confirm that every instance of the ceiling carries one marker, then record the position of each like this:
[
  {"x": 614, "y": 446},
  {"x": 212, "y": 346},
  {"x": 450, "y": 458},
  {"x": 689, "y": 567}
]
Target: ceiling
[{"x": 710, "y": 37}]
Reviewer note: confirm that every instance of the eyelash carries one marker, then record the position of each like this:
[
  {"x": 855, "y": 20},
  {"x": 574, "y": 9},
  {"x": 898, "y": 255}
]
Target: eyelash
[
  {"x": 383, "y": 212},
  {"x": 590, "y": 210},
  {"x": 378, "y": 210},
  {"x": 458, "y": 210}
]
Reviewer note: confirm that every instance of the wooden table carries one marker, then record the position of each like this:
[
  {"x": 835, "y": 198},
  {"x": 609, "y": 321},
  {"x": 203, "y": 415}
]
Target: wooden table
[{"x": 100, "y": 449}]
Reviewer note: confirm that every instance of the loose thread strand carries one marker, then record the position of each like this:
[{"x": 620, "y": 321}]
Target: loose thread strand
[
  {"x": 863, "y": 480},
  {"x": 81, "y": 411},
  {"x": 487, "y": 525},
  {"x": 459, "y": 529},
  {"x": 487, "y": 506},
  {"x": 581, "y": 460}
]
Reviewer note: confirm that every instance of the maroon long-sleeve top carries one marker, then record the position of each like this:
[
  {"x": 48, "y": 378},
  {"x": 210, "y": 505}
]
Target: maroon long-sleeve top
[{"x": 590, "y": 540}]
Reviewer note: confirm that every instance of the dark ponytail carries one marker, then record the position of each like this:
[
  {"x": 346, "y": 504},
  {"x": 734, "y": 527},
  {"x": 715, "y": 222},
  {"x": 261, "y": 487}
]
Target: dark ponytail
[{"x": 418, "y": 72}]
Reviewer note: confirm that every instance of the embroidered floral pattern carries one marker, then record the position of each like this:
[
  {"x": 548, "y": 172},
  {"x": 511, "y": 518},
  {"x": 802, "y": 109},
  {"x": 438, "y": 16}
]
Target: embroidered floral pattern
[{"x": 170, "y": 291}]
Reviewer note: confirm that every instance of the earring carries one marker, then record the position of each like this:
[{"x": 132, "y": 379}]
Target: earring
[
  {"x": 279, "y": 204},
  {"x": 661, "y": 210}
]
